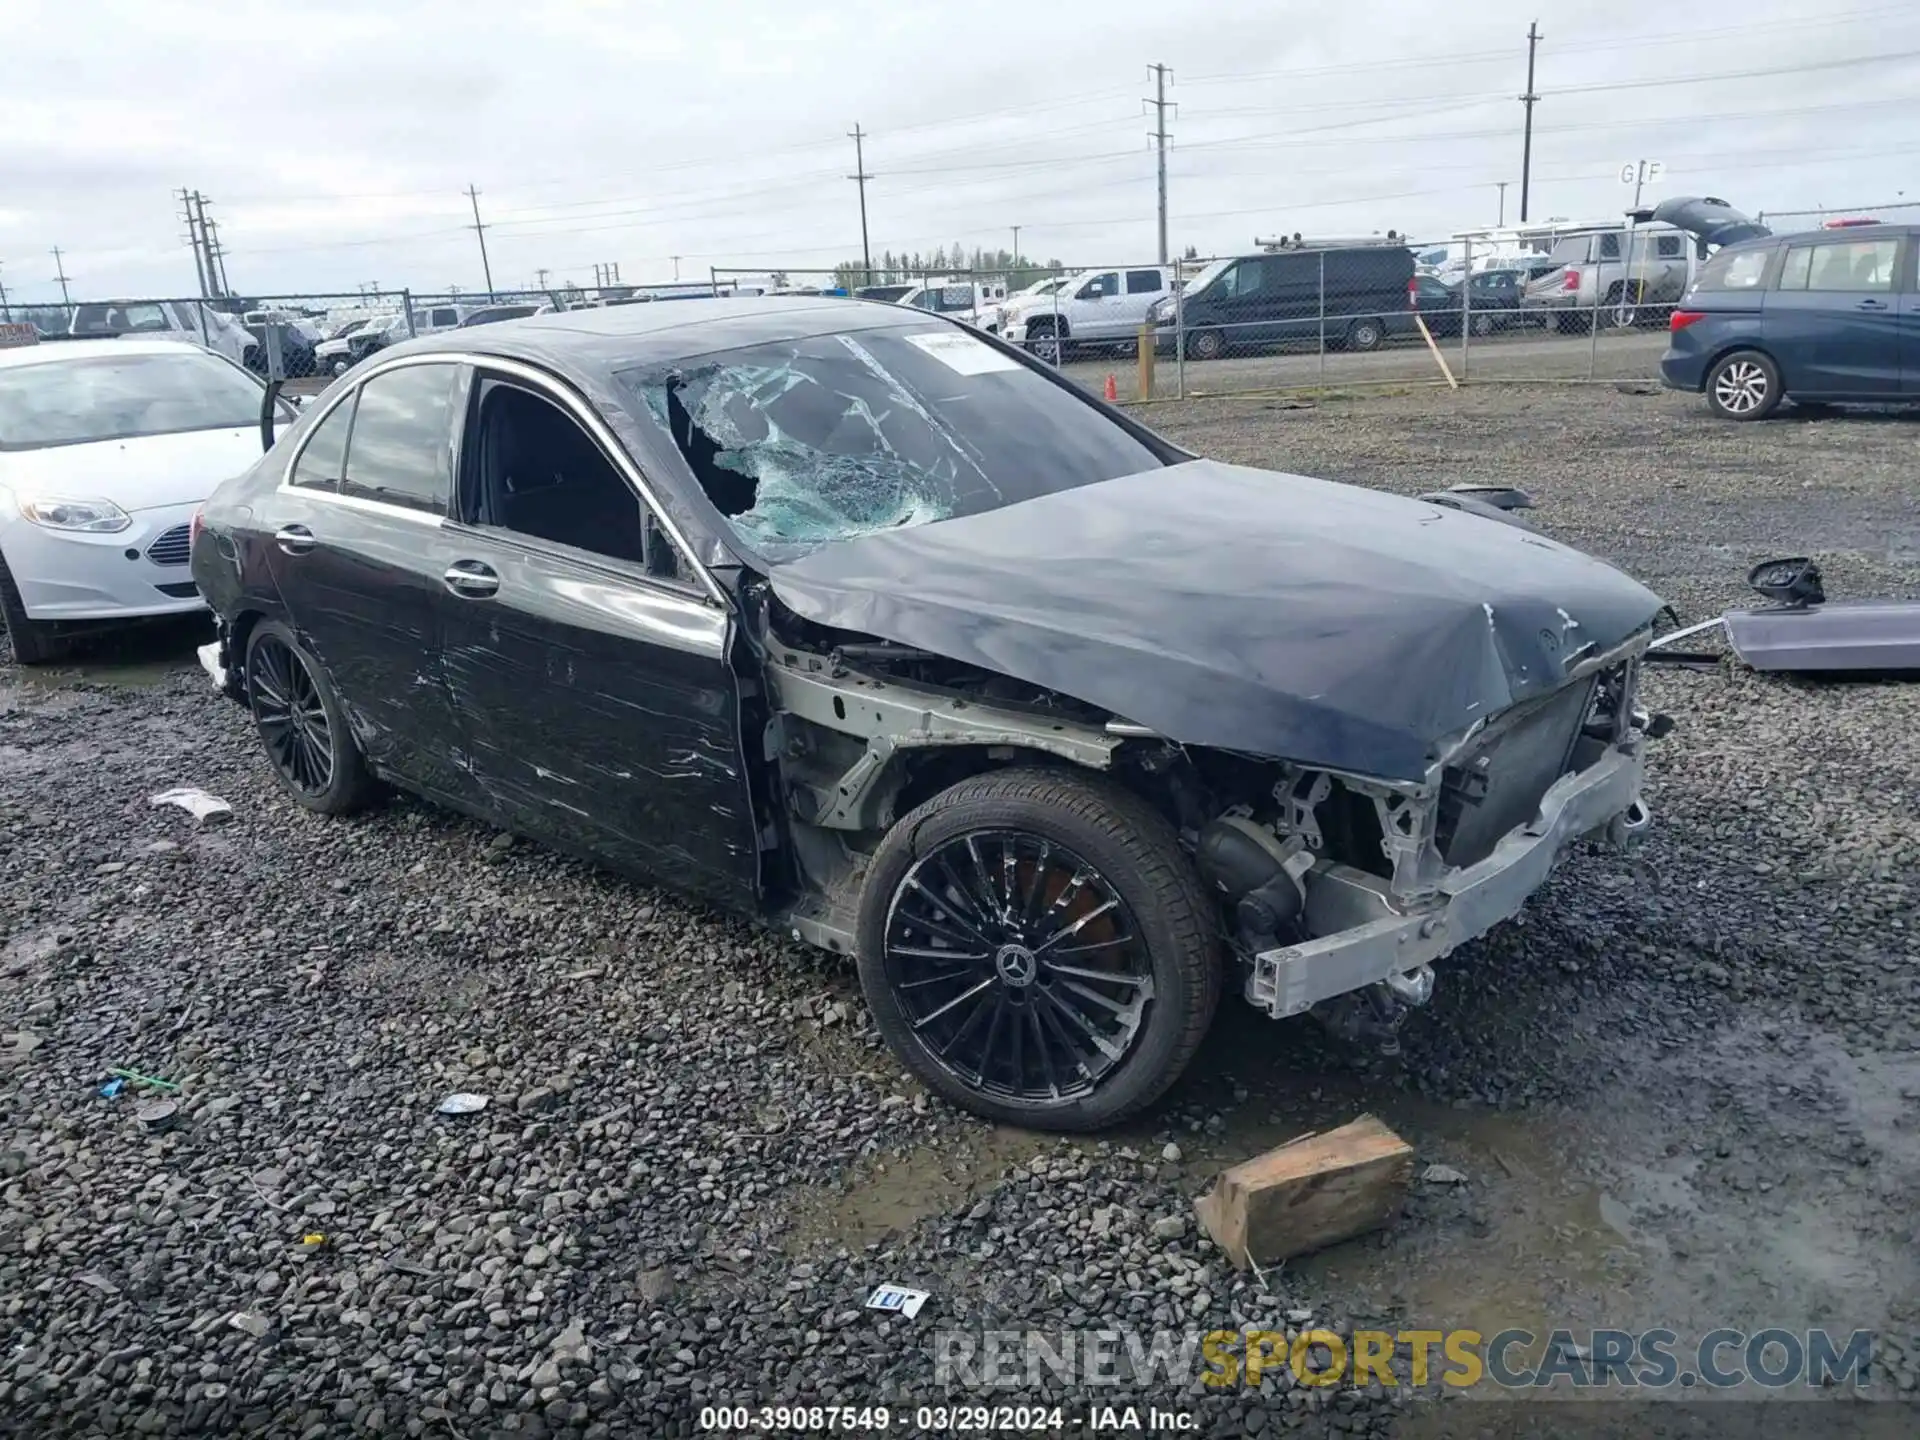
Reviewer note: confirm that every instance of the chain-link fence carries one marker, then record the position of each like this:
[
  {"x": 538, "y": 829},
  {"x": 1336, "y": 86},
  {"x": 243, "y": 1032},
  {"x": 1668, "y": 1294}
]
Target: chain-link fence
[{"x": 1785, "y": 222}]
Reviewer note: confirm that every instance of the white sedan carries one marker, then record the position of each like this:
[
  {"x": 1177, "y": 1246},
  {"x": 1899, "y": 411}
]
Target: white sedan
[{"x": 106, "y": 451}]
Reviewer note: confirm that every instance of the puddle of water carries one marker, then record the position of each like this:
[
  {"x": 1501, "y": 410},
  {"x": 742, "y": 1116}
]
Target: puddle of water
[
  {"x": 886, "y": 1195},
  {"x": 138, "y": 658}
]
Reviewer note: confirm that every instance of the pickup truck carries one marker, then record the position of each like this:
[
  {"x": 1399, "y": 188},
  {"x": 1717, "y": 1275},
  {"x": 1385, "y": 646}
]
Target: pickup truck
[
  {"x": 974, "y": 302},
  {"x": 1095, "y": 307},
  {"x": 1590, "y": 273}
]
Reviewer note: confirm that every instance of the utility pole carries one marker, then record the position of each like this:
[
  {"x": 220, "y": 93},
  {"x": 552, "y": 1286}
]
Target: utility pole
[
  {"x": 540, "y": 279},
  {"x": 60, "y": 274},
  {"x": 1529, "y": 100},
  {"x": 676, "y": 267},
  {"x": 860, "y": 176},
  {"x": 193, "y": 239},
  {"x": 6, "y": 310},
  {"x": 1503, "y": 199},
  {"x": 1159, "y": 133},
  {"x": 1016, "y": 247},
  {"x": 480, "y": 230}
]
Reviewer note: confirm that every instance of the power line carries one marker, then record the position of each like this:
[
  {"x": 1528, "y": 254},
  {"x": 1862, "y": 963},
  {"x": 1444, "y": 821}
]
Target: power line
[
  {"x": 480, "y": 233},
  {"x": 860, "y": 177},
  {"x": 1159, "y": 103}
]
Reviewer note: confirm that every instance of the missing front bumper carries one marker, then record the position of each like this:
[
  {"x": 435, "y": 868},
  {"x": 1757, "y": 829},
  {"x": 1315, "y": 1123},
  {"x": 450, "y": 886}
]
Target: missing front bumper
[{"x": 1385, "y": 942}]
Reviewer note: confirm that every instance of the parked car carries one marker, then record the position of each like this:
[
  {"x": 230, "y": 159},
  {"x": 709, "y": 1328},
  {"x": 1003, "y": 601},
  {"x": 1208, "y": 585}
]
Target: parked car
[
  {"x": 349, "y": 348},
  {"x": 972, "y": 302},
  {"x": 1817, "y": 318},
  {"x": 1437, "y": 303},
  {"x": 492, "y": 314},
  {"x": 106, "y": 451},
  {"x": 888, "y": 293},
  {"x": 1594, "y": 274},
  {"x": 198, "y": 324},
  {"x": 1494, "y": 297},
  {"x": 1094, "y": 307},
  {"x": 1354, "y": 296},
  {"x": 827, "y": 664},
  {"x": 298, "y": 344}
]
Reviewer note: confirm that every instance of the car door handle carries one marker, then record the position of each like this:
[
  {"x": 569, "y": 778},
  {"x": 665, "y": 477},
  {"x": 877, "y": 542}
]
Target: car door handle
[
  {"x": 1871, "y": 305},
  {"x": 472, "y": 579},
  {"x": 294, "y": 539}
]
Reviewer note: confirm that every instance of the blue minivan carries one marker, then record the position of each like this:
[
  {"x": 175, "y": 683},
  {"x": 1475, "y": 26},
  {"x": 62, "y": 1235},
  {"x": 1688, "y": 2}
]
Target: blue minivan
[{"x": 1816, "y": 318}]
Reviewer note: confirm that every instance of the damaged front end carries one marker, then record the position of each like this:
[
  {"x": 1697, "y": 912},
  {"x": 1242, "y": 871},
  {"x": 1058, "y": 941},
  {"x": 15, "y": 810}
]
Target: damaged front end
[{"x": 1342, "y": 890}]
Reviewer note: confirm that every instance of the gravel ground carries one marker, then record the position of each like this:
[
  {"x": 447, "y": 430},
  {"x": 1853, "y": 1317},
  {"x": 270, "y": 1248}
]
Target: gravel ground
[{"x": 1680, "y": 1089}]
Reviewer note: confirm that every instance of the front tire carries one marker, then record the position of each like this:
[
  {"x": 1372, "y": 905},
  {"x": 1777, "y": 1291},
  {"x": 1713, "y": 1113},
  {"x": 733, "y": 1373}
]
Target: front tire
[
  {"x": 1206, "y": 345},
  {"x": 1744, "y": 386},
  {"x": 302, "y": 726},
  {"x": 1365, "y": 335},
  {"x": 35, "y": 642},
  {"x": 1037, "y": 949},
  {"x": 1483, "y": 323}
]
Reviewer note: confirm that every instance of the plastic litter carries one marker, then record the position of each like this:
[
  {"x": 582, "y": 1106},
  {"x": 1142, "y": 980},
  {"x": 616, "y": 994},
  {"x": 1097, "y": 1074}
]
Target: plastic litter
[
  {"x": 897, "y": 1299},
  {"x": 136, "y": 1078},
  {"x": 461, "y": 1103},
  {"x": 1443, "y": 1175},
  {"x": 196, "y": 802},
  {"x": 112, "y": 1088}
]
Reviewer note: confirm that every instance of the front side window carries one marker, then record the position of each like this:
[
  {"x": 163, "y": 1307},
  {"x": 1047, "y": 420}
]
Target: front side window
[
  {"x": 1609, "y": 247},
  {"x": 1099, "y": 286},
  {"x": 830, "y": 437},
  {"x": 1246, "y": 279},
  {"x": 1863, "y": 267},
  {"x": 121, "y": 397},
  {"x": 400, "y": 448}
]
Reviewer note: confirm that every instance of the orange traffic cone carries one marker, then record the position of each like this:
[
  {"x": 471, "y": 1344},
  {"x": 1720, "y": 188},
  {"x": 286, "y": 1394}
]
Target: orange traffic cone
[{"x": 1113, "y": 390}]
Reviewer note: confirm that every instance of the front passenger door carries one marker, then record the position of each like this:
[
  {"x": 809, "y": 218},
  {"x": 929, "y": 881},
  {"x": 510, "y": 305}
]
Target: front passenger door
[
  {"x": 589, "y": 667},
  {"x": 1097, "y": 308}
]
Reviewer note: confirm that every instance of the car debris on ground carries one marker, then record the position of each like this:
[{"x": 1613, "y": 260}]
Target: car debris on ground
[
  {"x": 196, "y": 802},
  {"x": 1308, "y": 1193}
]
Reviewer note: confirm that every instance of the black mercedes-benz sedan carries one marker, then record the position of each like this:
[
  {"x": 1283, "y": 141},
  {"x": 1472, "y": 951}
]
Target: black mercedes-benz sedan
[{"x": 853, "y": 620}]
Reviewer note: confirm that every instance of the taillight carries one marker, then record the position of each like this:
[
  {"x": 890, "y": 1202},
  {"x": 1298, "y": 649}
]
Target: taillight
[
  {"x": 1680, "y": 319},
  {"x": 1572, "y": 282}
]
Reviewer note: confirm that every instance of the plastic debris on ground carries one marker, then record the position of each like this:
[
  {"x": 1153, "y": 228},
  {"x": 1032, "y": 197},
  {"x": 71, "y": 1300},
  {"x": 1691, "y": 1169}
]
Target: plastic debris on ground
[
  {"x": 196, "y": 802},
  {"x": 134, "y": 1077},
  {"x": 112, "y": 1088},
  {"x": 462, "y": 1104},
  {"x": 898, "y": 1300},
  {"x": 1443, "y": 1175}
]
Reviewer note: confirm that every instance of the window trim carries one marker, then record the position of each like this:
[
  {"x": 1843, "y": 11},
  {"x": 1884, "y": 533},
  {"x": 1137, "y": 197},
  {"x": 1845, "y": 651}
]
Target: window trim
[
  {"x": 1899, "y": 274},
  {"x": 477, "y": 376},
  {"x": 552, "y": 388}
]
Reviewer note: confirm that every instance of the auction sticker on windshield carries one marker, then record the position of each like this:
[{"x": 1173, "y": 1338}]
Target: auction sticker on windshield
[{"x": 963, "y": 354}]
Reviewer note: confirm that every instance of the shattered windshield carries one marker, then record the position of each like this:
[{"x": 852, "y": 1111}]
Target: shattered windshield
[{"x": 830, "y": 437}]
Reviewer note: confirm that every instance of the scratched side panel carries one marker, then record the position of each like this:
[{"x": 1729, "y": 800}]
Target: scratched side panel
[{"x": 600, "y": 712}]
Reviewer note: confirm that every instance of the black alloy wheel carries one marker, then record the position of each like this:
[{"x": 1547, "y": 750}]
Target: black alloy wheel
[
  {"x": 314, "y": 756},
  {"x": 1037, "y": 948},
  {"x": 1018, "y": 966}
]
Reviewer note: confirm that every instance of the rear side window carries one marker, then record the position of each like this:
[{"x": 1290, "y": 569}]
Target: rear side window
[
  {"x": 400, "y": 451},
  {"x": 1144, "y": 282},
  {"x": 1669, "y": 247},
  {"x": 325, "y": 455},
  {"x": 1862, "y": 267},
  {"x": 1735, "y": 270},
  {"x": 1609, "y": 247}
]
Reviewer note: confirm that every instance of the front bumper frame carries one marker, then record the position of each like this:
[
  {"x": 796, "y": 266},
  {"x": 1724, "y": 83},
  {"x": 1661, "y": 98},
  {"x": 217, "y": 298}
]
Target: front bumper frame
[{"x": 1290, "y": 979}]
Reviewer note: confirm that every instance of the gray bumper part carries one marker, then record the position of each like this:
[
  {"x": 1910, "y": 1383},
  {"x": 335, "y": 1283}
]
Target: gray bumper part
[{"x": 1471, "y": 901}]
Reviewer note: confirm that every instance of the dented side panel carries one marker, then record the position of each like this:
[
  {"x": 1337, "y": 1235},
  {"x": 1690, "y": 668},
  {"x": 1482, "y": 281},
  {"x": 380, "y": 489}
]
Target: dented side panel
[{"x": 600, "y": 713}]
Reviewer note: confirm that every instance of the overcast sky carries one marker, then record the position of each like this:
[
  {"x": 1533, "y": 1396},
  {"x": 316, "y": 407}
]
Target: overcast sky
[{"x": 335, "y": 140}]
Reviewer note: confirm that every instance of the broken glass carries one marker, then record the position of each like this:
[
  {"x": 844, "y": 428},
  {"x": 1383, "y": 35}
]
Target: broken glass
[{"x": 835, "y": 436}]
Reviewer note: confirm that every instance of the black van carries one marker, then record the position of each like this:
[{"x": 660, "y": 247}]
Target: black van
[{"x": 1246, "y": 302}]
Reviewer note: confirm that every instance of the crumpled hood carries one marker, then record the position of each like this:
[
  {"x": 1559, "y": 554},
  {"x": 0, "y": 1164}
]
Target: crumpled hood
[{"x": 1237, "y": 608}]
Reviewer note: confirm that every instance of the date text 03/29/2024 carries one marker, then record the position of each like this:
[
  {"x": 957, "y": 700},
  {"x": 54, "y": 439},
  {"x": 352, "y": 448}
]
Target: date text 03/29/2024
[{"x": 942, "y": 1419}]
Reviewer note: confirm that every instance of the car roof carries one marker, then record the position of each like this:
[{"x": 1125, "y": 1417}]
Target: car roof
[
  {"x": 53, "y": 350},
  {"x": 616, "y": 337},
  {"x": 1882, "y": 231}
]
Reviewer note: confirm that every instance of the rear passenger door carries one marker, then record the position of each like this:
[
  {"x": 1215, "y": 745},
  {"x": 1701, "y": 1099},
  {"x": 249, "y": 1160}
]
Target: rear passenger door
[
  {"x": 358, "y": 550},
  {"x": 1144, "y": 289},
  {"x": 1833, "y": 321},
  {"x": 586, "y": 655}
]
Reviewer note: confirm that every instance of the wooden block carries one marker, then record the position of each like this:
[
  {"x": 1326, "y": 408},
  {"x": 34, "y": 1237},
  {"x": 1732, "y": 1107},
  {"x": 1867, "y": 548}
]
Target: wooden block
[{"x": 1308, "y": 1193}]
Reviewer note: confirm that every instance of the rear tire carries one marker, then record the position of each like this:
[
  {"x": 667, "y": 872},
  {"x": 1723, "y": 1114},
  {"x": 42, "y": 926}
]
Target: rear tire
[
  {"x": 1482, "y": 323},
  {"x": 302, "y": 725},
  {"x": 1365, "y": 335},
  {"x": 35, "y": 642},
  {"x": 1743, "y": 386},
  {"x": 975, "y": 901}
]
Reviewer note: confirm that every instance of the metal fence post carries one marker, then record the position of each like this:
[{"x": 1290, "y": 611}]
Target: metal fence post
[
  {"x": 1593, "y": 321},
  {"x": 406, "y": 308},
  {"x": 1323, "y": 320},
  {"x": 1466, "y": 311},
  {"x": 201, "y": 311},
  {"x": 1179, "y": 335},
  {"x": 1059, "y": 345}
]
